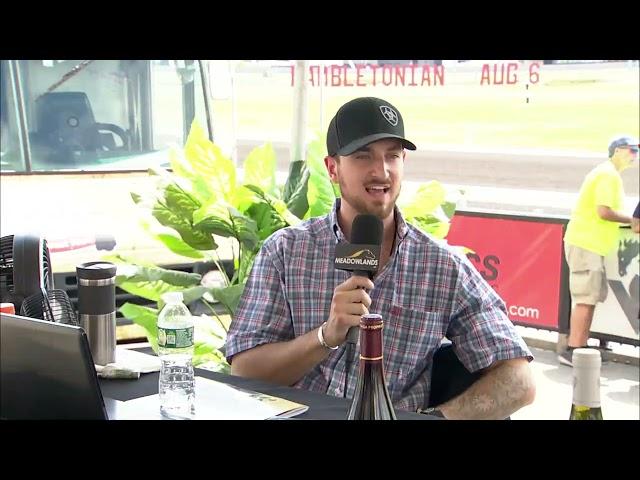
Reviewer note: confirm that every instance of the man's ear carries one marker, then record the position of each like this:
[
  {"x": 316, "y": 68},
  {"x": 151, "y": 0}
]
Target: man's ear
[{"x": 332, "y": 167}]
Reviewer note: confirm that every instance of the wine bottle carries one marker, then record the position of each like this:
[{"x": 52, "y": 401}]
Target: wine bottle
[
  {"x": 371, "y": 399},
  {"x": 586, "y": 385}
]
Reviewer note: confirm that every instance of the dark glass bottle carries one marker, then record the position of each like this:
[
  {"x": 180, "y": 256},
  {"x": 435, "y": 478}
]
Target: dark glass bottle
[
  {"x": 586, "y": 385},
  {"x": 371, "y": 399}
]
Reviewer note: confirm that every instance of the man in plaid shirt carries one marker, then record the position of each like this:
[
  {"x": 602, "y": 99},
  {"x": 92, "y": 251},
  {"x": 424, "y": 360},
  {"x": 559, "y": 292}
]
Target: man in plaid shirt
[{"x": 423, "y": 290}]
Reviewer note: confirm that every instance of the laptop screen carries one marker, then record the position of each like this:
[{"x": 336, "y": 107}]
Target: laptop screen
[{"x": 47, "y": 371}]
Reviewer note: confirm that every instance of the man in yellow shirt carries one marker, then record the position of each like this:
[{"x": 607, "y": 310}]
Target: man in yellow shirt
[{"x": 592, "y": 233}]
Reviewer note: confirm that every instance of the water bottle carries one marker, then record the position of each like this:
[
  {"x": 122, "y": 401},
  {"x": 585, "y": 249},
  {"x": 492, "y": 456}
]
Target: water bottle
[{"x": 175, "y": 349}]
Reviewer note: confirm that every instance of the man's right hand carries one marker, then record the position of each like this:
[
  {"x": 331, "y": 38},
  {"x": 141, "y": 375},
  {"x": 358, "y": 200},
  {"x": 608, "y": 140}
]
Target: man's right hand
[{"x": 350, "y": 301}]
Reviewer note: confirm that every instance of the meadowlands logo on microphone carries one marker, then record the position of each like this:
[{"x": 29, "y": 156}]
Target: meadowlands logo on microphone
[
  {"x": 357, "y": 257},
  {"x": 361, "y": 257},
  {"x": 366, "y": 254}
]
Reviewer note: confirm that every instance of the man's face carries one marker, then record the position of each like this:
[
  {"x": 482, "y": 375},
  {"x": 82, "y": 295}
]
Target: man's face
[
  {"x": 627, "y": 155},
  {"x": 370, "y": 178}
]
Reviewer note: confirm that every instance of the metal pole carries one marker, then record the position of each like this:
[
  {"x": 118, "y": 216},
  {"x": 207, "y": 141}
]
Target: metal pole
[
  {"x": 16, "y": 85},
  {"x": 204, "y": 79},
  {"x": 234, "y": 115},
  {"x": 321, "y": 127},
  {"x": 299, "y": 127}
]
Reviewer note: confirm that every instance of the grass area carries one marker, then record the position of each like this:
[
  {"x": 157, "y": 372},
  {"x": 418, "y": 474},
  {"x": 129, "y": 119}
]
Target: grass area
[
  {"x": 569, "y": 109},
  {"x": 130, "y": 333},
  {"x": 134, "y": 332}
]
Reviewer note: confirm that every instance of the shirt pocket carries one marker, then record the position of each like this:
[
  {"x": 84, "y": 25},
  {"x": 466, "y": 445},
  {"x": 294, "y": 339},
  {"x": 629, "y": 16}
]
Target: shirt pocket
[{"x": 411, "y": 338}]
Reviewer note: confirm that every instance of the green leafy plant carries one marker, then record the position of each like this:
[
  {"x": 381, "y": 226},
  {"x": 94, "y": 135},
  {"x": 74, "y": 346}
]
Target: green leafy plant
[{"x": 202, "y": 201}]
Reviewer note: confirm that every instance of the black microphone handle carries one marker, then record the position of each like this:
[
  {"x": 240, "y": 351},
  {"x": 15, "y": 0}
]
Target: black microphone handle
[
  {"x": 363, "y": 273},
  {"x": 352, "y": 335},
  {"x": 354, "y": 332}
]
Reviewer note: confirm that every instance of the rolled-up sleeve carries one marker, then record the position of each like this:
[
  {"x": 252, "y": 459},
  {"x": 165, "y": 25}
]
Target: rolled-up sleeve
[
  {"x": 263, "y": 314},
  {"x": 480, "y": 330}
]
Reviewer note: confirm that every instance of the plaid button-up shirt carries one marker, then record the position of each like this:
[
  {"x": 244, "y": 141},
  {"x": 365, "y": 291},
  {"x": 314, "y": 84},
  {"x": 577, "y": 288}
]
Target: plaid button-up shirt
[{"x": 424, "y": 293}]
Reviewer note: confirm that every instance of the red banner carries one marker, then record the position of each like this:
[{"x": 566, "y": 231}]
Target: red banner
[{"x": 520, "y": 259}]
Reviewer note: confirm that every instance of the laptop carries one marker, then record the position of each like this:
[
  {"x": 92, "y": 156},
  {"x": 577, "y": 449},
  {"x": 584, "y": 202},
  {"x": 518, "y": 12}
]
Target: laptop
[{"x": 47, "y": 372}]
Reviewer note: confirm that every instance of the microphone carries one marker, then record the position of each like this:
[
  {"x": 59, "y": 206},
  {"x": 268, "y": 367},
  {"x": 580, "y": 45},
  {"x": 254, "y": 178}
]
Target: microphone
[{"x": 362, "y": 255}]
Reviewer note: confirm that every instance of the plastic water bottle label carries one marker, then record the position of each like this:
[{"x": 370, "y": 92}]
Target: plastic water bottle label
[{"x": 175, "y": 337}]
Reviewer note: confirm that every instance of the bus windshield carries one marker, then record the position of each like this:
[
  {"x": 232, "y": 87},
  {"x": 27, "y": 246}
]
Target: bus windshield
[{"x": 95, "y": 114}]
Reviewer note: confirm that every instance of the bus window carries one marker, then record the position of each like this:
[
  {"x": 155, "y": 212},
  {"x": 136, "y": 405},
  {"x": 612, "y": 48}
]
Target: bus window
[
  {"x": 104, "y": 114},
  {"x": 90, "y": 129}
]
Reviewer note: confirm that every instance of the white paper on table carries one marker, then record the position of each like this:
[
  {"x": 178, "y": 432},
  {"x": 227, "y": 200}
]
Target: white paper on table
[
  {"x": 219, "y": 401},
  {"x": 131, "y": 361}
]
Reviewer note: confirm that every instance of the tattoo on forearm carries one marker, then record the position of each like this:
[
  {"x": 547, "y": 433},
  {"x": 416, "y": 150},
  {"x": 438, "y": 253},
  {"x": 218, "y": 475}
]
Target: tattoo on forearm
[{"x": 496, "y": 395}]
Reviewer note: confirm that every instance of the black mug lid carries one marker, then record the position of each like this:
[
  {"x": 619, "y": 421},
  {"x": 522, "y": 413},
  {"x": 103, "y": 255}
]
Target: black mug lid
[{"x": 96, "y": 270}]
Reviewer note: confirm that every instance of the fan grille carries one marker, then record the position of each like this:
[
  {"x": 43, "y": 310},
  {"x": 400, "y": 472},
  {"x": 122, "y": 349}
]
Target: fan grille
[
  {"x": 6, "y": 267},
  {"x": 25, "y": 267},
  {"x": 52, "y": 305},
  {"x": 47, "y": 271}
]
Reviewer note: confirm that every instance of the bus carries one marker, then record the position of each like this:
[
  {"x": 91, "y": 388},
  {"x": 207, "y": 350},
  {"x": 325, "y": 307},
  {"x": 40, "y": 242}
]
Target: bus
[{"x": 78, "y": 137}]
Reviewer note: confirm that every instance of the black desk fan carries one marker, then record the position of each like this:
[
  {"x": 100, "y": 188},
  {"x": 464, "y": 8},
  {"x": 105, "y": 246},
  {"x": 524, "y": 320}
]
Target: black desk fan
[
  {"x": 26, "y": 280},
  {"x": 51, "y": 305}
]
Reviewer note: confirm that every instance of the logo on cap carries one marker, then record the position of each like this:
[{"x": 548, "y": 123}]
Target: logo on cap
[{"x": 389, "y": 114}]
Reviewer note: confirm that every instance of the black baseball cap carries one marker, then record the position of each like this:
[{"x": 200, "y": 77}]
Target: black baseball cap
[{"x": 362, "y": 121}]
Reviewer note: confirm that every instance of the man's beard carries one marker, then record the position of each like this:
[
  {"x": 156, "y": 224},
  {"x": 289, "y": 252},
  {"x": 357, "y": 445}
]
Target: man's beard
[{"x": 381, "y": 211}]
